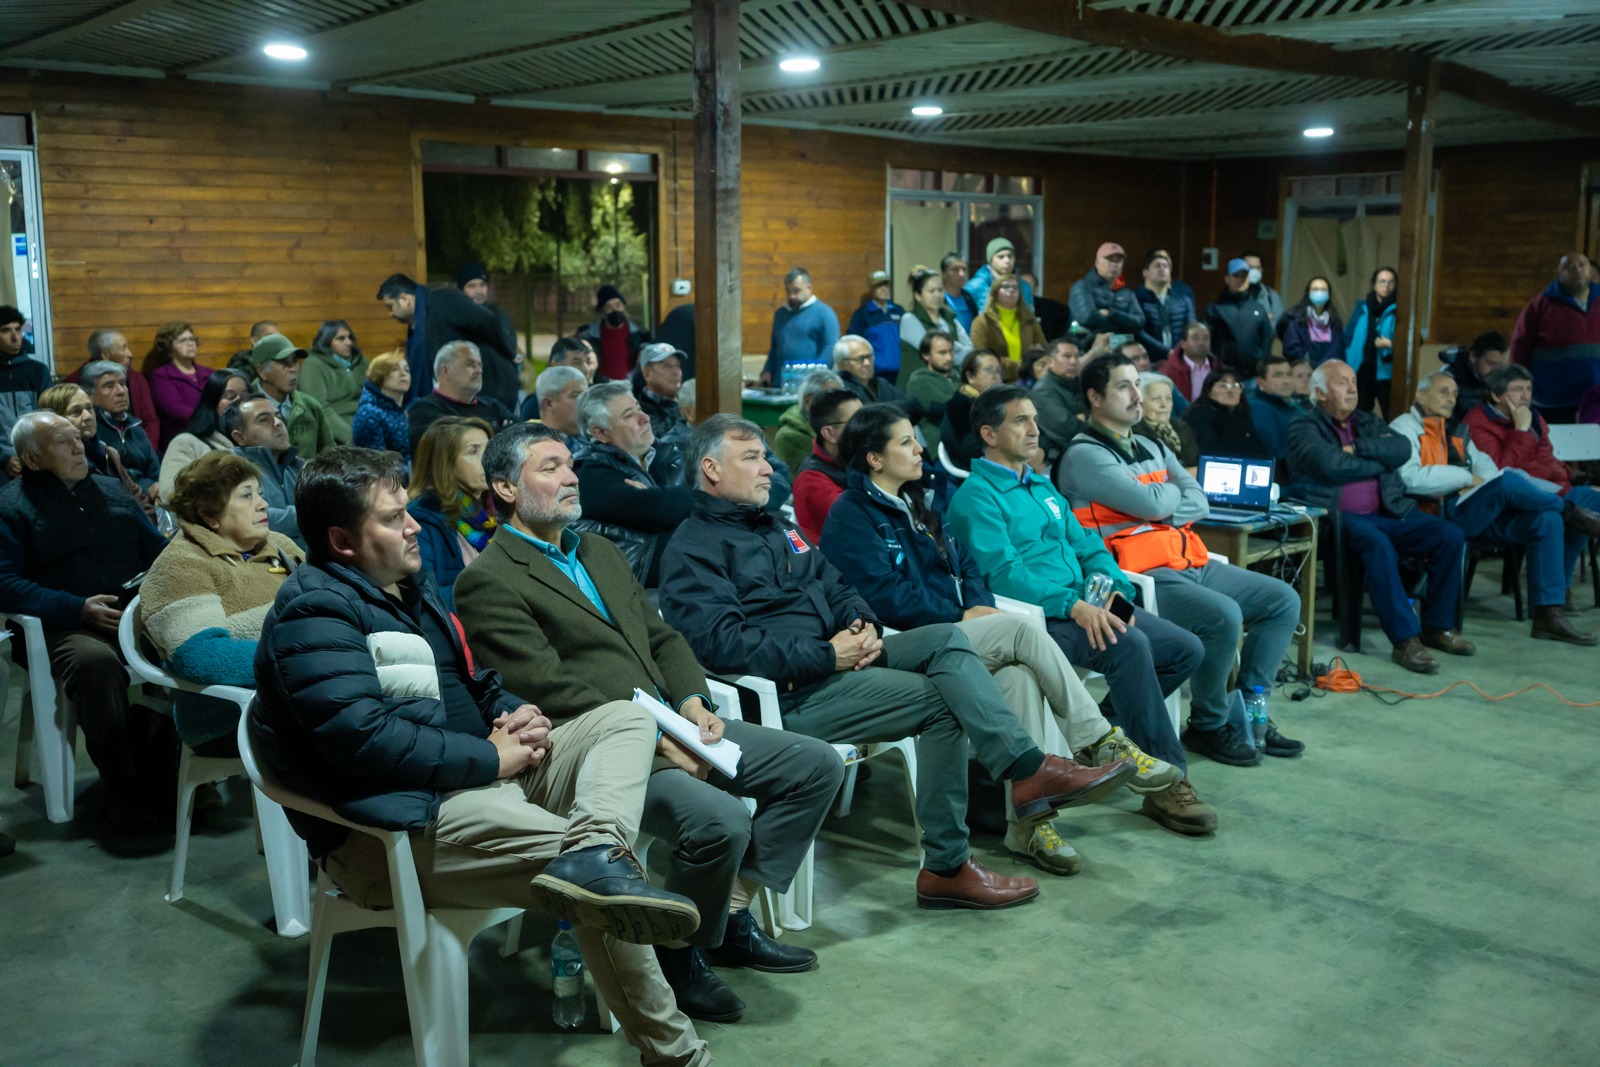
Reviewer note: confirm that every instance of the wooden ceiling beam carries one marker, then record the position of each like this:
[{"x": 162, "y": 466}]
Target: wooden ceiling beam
[{"x": 1186, "y": 40}]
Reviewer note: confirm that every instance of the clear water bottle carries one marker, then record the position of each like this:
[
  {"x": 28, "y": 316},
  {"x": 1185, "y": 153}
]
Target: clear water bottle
[
  {"x": 1256, "y": 710},
  {"x": 566, "y": 966},
  {"x": 1097, "y": 590}
]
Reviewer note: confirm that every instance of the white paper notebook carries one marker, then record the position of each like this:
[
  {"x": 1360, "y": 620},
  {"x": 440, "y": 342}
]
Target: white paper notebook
[{"x": 722, "y": 754}]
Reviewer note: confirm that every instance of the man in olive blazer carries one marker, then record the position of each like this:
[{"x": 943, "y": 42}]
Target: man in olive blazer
[{"x": 563, "y": 619}]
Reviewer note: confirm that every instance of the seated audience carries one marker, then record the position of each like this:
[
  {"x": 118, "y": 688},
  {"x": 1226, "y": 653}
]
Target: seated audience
[
  {"x": 202, "y": 602},
  {"x": 113, "y": 345},
  {"x": 70, "y": 541},
  {"x": 1137, "y": 355},
  {"x": 929, "y": 313},
  {"x": 259, "y": 435},
  {"x": 22, "y": 379},
  {"x": 493, "y": 795},
  {"x": 878, "y": 320},
  {"x": 1344, "y": 458},
  {"x": 782, "y": 480},
  {"x": 804, "y": 329},
  {"x": 1241, "y": 329},
  {"x": 1028, "y": 369},
  {"x": 1136, "y": 495},
  {"x": 1028, "y": 546},
  {"x": 894, "y": 550},
  {"x": 240, "y": 360},
  {"x": 334, "y": 372},
  {"x": 576, "y": 352},
  {"x": 852, "y": 358},
  {"x": 435, "y": 318},
  {"x": 1557, "y": 336},
  {"x": 1058, "y": 396},
  {"x": 1369, "y": 340},
  {"x": 457, "y": 390},
  {"x": 934, "y": 382},
  {"x": 561, "y": 615},
  {"x": 277, "y": 364},
  {"x": 821, "y": 478},
  {"x": 1191, "y": 363},
  {"x": 755, "y": 597},
  {"x": 1221, "y": 418},
  {"x": 981, "y": 371},
  {"x": 107, "y": 386},
  {"x": 794, "y": 436},
  {"x": 1300, "y": 370},
  {"x": 556, "y": 392},
  {"x": 1100, "y": 301},
  {"x": 176, "y": 376},
  {"x": 1312, "y": 329},
  {"x": 1472, "y": 368},
  {"x": 1167, "y": 310},
  {"x": 656, "y": 389},
  {"x": 1007, "y": 326},
  {"x": 1272, "y": 407},
  {"x": 450, "y": 499},
  {"x": 953, "y": 273},
  {"x": 380, "y": 419},
  {"x": 615, "y": 339},
  {"x": 633, "y": 490},
  {"x": 1507, "y": 506},
  {"x": 1000, "y": 260},
  {"x": 204, "y": 433},
  {"x": 1158, "y": 423},
  {"x": 73, "y": 404}
]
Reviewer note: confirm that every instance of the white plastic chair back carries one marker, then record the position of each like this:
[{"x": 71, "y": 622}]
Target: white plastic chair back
[{"x": 949, "y": 465}]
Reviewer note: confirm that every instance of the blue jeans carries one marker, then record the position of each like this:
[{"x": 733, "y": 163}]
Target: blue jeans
[
  {"x": 1583, "y": 496},
  {"x": 1512, "y": 509},
  {"x": 1380, "y": 541}
]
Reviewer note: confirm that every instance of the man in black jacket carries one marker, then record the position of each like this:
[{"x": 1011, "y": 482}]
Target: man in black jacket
[
  {"x": 656, "y": 388},
  {"x": 106, "y": 383},
  {"x": 434, "y": 318},
  {"x": 1349, "y": 460},
  {"x": 1099, "y": 302},
  {"x": 457, "y": 390},
  {"x": 69, "y": 544},
  {"x": 1471, "y": 368},
  {"x": 1241, "y": 328},
  {"x": 22, "y": 379},
  {"x": 368, "y": 701},
  {"x": 755, "y": 597},
  {"x": 852, "y": 358},
  {"x": 632, "y": 488}
]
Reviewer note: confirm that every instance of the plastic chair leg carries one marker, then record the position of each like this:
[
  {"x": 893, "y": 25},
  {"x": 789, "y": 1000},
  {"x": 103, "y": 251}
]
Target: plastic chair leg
[
  {"x": 513, "y": 939},
  {"x": 794, "y": 907},
  {"x": 187, "y": 784},
  {"x": 287, "y": 862},
  {"x": 847, "y": 792},
  {"x": 322, "y": 932},
  {"x": 55, "y": 732}
]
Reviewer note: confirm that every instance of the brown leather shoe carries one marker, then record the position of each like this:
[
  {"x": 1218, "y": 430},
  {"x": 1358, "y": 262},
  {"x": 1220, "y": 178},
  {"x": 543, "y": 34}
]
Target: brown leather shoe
[
  {"x": 973, "y": 886},
  {"x": 1448, "y": 641},
  {"x": 1413, "y": 657},
  {"x": 1583, "y": 520},
  {"x": 1060, "y": 783},
  {"x": 1551, "y": 624}
]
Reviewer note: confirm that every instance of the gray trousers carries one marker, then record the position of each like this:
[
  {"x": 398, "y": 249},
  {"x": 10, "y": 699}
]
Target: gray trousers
[
  {"x": 713, "y": 837},
  {"x": 932, "y": 686},
  {"x": 1217, "y": 603}
]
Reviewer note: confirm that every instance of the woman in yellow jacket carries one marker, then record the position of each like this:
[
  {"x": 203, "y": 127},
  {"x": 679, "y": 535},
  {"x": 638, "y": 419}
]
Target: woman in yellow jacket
[{"x": 1007, "y": 326}]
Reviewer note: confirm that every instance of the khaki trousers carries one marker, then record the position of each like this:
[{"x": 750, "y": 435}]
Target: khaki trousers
[
  {"x": 1041, "y": 687},
  {"x": 488, "y": 843}
]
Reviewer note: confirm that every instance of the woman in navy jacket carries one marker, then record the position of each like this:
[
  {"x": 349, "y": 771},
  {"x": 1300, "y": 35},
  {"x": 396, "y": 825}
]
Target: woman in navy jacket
[
  {"x": 892, "y": 548},
  {"x": 450, "y": 499}
]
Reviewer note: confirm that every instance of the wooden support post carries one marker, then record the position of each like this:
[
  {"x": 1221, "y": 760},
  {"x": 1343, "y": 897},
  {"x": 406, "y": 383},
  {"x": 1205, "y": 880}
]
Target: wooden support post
[
  {"x": 1416, "y": 228},
  {"x": 718, "y": 339}
]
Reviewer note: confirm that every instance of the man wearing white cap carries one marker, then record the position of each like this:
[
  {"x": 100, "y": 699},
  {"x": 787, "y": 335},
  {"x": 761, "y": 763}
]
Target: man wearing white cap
[
  {"x": 660, "y": 378},
  {"x": 1101, "y": 301},
  {"x": 1000, "y": 259}
]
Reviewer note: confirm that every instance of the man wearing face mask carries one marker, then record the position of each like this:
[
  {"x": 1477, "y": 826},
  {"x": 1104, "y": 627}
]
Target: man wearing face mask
[
  {"x": 1266, "y": 294},
  {"x": 1240, "y": 324},
  {"x": 804, "y": 329},
  {"x": 615, "y": 339}
]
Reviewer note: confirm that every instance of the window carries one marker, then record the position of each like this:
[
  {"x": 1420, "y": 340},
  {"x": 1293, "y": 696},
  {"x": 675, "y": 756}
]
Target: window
[{"x": 932, "y": 213}]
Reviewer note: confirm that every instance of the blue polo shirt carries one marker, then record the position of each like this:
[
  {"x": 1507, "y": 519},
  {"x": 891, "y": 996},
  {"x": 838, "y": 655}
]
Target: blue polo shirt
[{"x": 566, "y": 560}]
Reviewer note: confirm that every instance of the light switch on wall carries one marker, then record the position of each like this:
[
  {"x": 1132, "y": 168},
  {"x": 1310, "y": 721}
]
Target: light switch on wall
[{"x": 680, "y": 287}]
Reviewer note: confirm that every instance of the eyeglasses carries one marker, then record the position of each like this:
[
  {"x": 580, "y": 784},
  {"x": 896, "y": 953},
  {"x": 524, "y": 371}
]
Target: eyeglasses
[
  {"x": 186, "y": 339},
  {"x": 864, "y": 358},
  {"x": 1230, "y": 386}
]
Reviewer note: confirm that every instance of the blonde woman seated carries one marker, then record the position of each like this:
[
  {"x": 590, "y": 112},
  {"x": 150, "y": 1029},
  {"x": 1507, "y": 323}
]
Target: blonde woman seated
[
  {"x": 1158, "y": 423},
  {"x": 68, "y": 400},
  {"x": 894, "y": 551},
  {"x": 203, "y": 600}
]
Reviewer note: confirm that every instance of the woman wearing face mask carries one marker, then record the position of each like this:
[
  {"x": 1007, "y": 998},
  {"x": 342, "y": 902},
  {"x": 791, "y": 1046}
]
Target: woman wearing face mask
[
  {"x": 1369, "y": 342},
  {"x": 1159, "y": 424},
  {"x": 450, "y": 498},
  {"x": 1312, "y": 329},
  {"x": 929, "y": 311},
  {"x": 1007, "y": 325}
]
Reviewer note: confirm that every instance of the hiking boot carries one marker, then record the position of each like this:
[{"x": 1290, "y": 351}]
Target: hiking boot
[
  {"x": 1278, "y": 745},
  {"x": 1151, "y": 775},
  {"x": 1181, "y": 810},
  {"x": 602, "y": 886},
  {"x": 1413, "y": 657},
  {"x": 695, "y": 986},
  {"x": 1581, "y": 519},
  {"x": 1448, "y": 641},
  {"x": 1060, "y": 783},
  {"x": 1552, "y": 624},
  {"x": 1041, "y": 846},
  {"x": 1224, "y": 744}
]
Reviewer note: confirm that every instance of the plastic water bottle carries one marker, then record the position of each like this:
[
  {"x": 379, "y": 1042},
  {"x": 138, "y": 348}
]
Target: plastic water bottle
[
  {"x": 1256, "y": 709},
  {"x": 566, "y": 966}
]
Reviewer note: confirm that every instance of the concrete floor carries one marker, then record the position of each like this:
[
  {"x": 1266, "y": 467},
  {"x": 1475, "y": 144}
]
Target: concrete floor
[{"x": 1421, "y": 888}]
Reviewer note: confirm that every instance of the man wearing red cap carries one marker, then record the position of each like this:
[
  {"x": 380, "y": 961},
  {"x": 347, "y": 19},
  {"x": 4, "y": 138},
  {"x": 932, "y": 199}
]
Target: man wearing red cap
[{"x": 1100, "y": 301}]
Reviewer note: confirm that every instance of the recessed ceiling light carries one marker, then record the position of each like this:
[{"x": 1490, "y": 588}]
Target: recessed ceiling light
[
  {"x": 927, "y": 111},
  {"x": 800, "y": 64},
  {"x": 1319, "y": 131},
  {"x": 280, "y": 50}
]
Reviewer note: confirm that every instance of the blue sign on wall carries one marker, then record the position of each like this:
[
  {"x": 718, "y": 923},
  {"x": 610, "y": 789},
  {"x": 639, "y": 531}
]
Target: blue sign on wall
[{"x": 19, "y": 244}]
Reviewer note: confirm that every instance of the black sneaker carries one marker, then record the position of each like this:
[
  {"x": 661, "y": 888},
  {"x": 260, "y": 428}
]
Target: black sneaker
[
  {"x": 1278, "y": 745},
  {"x": 699, "y": 992},
  {"x": 1222, "y": 744},
  {"x": 602, "y": 886},
  {"x": 744, "y": 945}
]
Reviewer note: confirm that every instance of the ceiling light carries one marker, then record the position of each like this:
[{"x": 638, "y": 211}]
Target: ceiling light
[
  {"x": 613, "y": 168},
  {"x": 1319, "y": 131},
  {"x": 927, "y": 111},
  {"x": 279, "y": 50},
  {"x": 800, "y": 64}
]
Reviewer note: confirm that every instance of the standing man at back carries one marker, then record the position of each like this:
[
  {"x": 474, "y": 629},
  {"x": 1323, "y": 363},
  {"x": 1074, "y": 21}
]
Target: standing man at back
[{"x": 804, "y": 329}]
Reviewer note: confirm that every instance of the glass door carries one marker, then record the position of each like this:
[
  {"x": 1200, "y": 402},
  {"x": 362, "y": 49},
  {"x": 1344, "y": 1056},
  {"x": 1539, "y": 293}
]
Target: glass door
[{"x": 22, "y": 276}]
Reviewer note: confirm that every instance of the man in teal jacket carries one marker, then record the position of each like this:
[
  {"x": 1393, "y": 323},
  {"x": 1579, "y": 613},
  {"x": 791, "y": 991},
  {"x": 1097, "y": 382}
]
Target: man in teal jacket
[{"x": 1030, "y": 547}]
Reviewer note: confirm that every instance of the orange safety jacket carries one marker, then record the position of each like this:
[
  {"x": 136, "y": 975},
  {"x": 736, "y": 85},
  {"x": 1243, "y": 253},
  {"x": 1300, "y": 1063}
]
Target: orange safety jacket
[{"x": 1140, "y": 545}]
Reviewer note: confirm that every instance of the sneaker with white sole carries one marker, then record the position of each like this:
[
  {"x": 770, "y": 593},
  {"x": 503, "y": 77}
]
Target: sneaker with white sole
[
  {"x": 1041, "y": 846},
  {"x": 1152, "y": 775}
]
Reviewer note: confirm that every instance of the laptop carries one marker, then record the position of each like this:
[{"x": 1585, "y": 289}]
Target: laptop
[{"x": 1239, "y": 490}]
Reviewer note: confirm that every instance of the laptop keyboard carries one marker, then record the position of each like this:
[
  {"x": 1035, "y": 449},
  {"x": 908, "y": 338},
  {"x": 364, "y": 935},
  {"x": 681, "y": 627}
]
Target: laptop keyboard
[{"x": 1236, "y": 515}]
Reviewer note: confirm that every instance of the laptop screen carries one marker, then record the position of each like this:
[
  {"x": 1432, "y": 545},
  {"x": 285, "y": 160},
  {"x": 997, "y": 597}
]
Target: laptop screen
[{"x": 1237, "y": 483}]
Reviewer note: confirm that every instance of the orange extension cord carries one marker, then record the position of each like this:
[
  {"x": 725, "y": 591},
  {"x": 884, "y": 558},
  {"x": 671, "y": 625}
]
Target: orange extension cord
[{"x": 1341, "y": 679}]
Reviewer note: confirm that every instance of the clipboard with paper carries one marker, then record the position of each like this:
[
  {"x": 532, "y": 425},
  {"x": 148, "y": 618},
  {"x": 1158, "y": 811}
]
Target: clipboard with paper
[{"x": 721, "y": 754}]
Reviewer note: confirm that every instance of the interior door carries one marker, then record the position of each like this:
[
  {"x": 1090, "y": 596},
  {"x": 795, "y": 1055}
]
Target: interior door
[
  {"x": 22, "y": 275},
  {"x": 920, "y": 233}
]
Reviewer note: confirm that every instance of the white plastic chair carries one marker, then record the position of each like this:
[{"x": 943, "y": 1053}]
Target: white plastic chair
[
  {"x": 54, "y": 727},
  {"x": 433, "y": 941},
  {"x": 949, "y": 466},
  {"x": 286, "y": 855}
]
